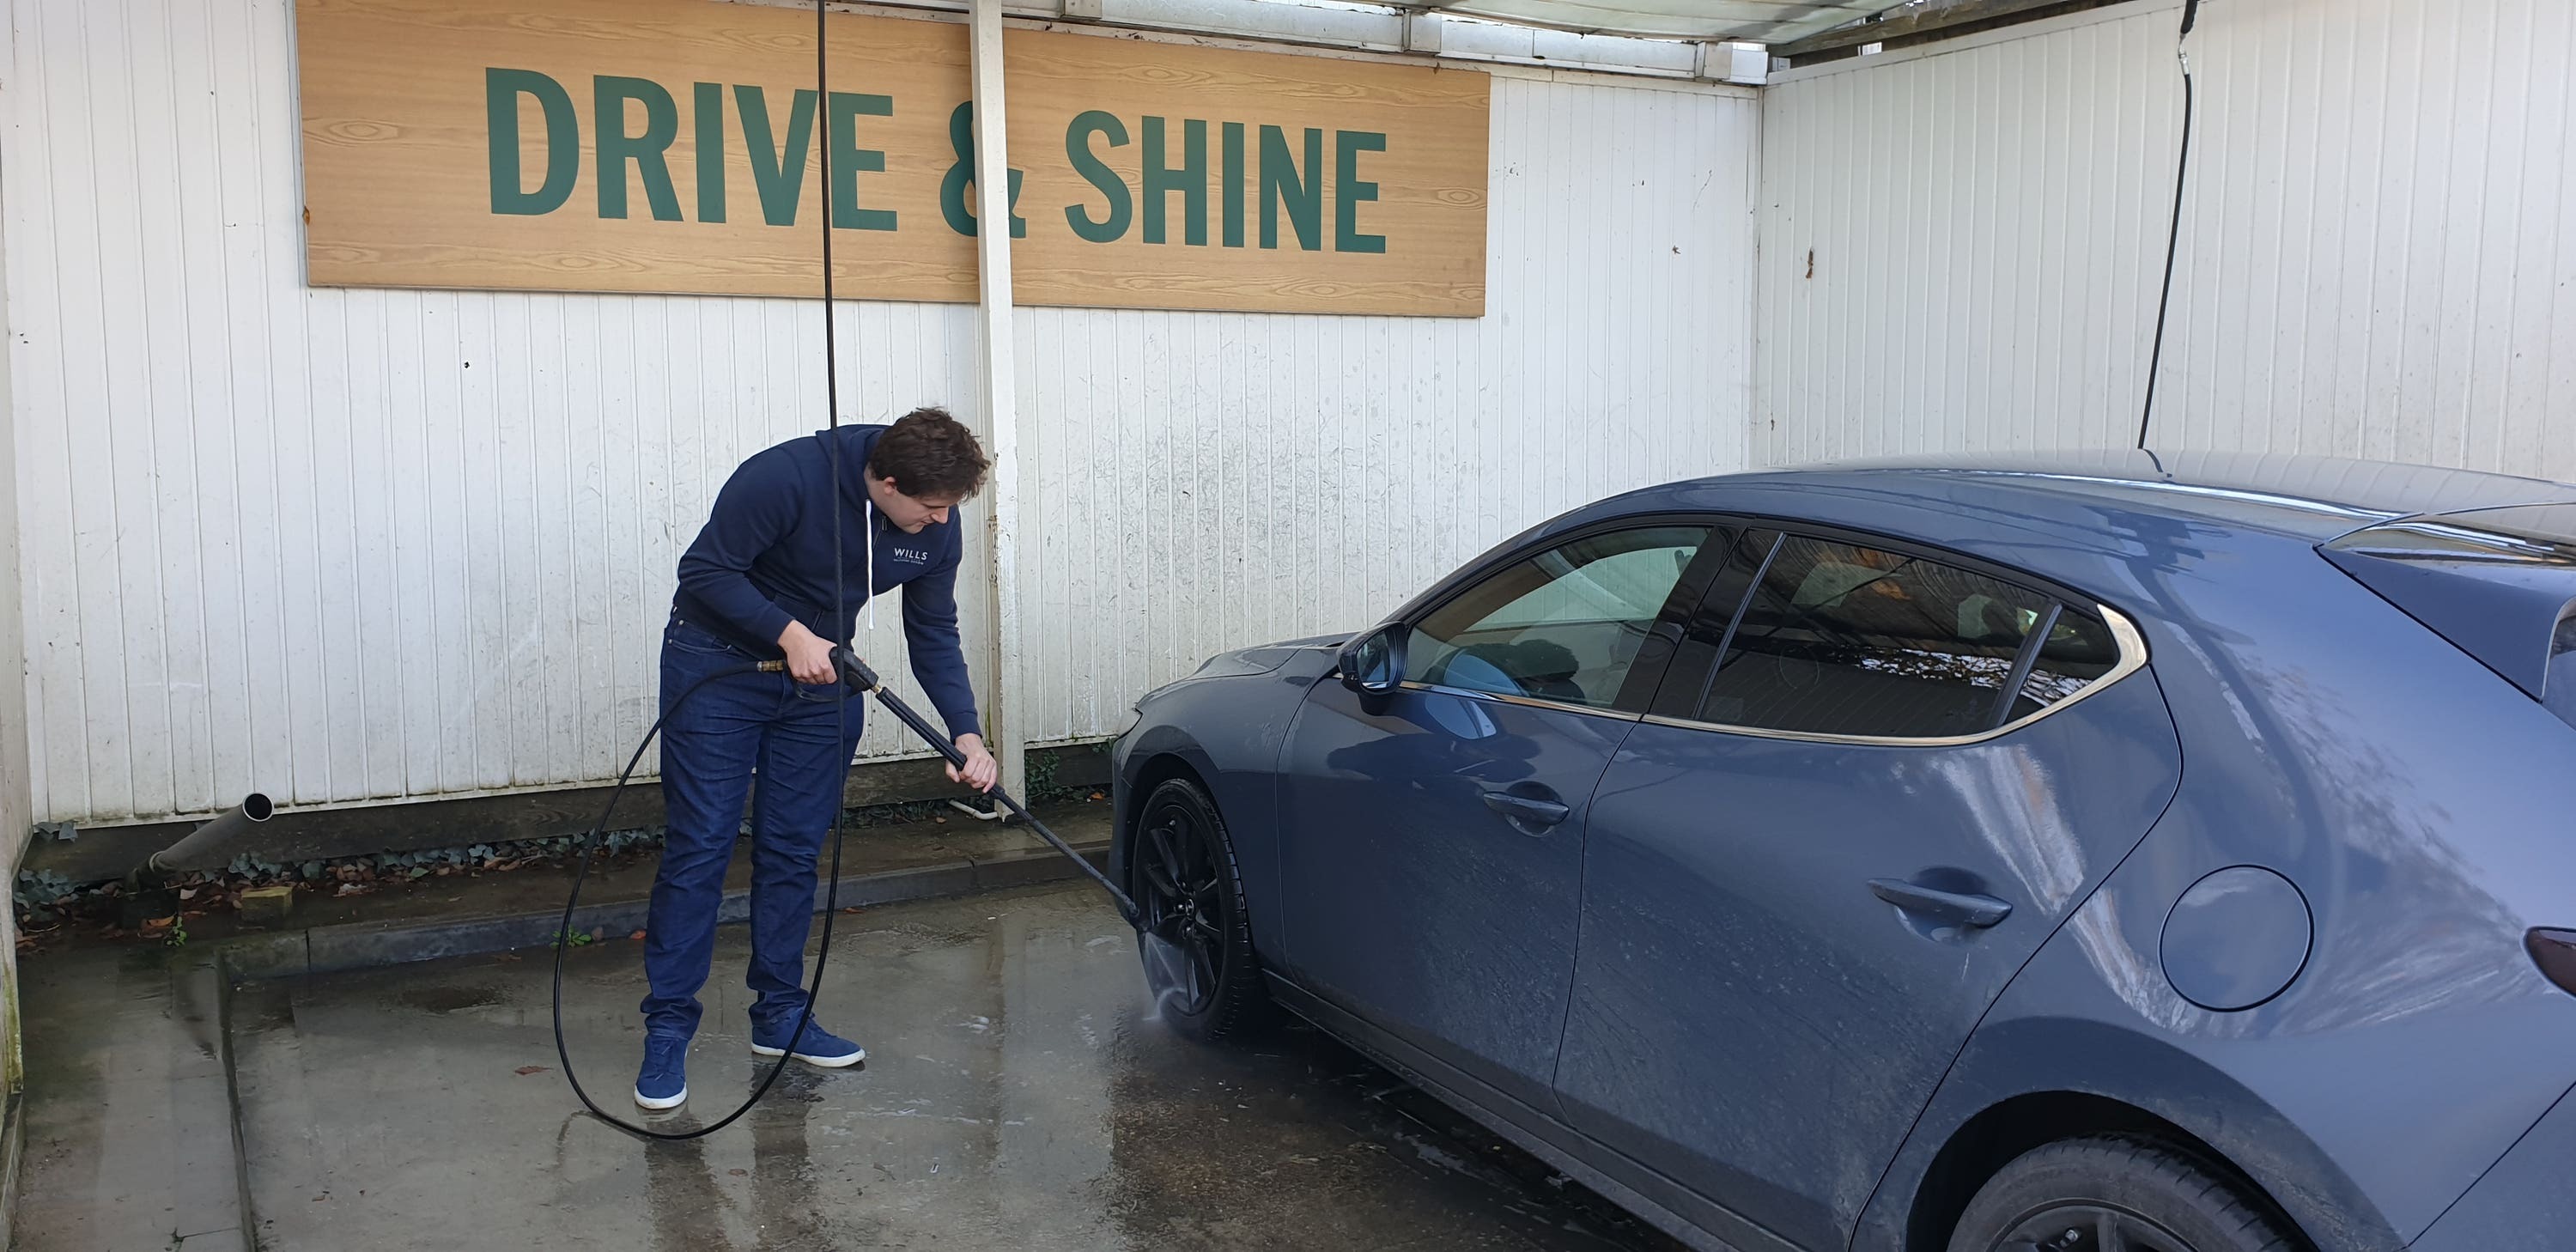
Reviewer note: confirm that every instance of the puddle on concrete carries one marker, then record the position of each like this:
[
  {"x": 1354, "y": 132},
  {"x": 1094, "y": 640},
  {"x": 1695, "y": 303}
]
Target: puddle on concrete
[
  {"x": 1018, "y": 1094},
  {"x": 448, "y": 999}
]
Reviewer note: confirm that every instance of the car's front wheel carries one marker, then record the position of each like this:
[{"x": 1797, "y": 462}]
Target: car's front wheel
[
  {"x": 2112, "y": 1195},
  {"x": 1197, "y": 938}
]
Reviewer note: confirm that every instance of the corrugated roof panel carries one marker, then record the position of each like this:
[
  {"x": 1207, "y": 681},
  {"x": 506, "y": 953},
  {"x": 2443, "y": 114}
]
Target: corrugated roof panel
[{"x": 1764, "y": 21}]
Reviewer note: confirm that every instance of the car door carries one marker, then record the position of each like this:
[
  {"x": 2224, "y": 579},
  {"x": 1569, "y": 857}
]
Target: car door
[
  {"x": 1873, "y": 782},
  {"x": 1431, "y": 856}
]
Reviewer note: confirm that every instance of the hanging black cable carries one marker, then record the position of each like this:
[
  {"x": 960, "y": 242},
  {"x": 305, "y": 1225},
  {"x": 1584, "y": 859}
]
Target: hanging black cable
[
  {"x": 832, "y": 888},
  {"x": 2182, "y": 170}
]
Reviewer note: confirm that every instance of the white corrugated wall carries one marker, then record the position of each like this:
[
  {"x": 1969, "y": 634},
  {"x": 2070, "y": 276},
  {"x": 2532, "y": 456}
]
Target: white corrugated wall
[
  {"x": 1208, "y": 478},
  {"x": 361, "y": 545},
  {"x": 2377, "y": 256}
]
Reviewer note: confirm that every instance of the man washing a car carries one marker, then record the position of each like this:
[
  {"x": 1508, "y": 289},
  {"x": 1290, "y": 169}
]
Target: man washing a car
[{"x": 758, "y": 585}]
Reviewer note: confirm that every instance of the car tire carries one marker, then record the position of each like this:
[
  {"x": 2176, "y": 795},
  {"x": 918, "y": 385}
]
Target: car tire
[
  {"x": 1196, "y": 943},
  {"x": 2113, "y": 1195}
]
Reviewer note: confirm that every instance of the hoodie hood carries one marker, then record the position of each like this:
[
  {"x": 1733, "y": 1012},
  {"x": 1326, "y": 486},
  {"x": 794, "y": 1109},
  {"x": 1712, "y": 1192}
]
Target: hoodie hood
[{"x": 855, "y": 444}]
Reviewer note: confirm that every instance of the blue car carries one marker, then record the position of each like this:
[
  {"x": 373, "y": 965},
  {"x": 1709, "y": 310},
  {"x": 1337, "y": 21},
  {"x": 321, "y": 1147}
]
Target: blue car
[{"x": 2113, "y": 853}]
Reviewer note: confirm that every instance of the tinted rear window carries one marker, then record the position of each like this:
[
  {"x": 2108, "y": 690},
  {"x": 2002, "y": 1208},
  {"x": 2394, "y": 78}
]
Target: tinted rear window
[
  {"x": 1839, "y": 639},
  {"x": 2079, "y": 650}
]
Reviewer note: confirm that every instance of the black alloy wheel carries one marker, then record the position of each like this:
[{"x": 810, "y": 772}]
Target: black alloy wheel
[
  {"x": 1197, "y": 944},
  {"x": 2090, "y": 1228},
  {"x": 2115, "y": 1194}
]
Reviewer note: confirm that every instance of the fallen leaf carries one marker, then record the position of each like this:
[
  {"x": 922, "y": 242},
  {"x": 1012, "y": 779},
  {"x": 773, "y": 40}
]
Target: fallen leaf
[
  {"x": 526, "y": 1070},
  {"x": 637, "y": 935}
]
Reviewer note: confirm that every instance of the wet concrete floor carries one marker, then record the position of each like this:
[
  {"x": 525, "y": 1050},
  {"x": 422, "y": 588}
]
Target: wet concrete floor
[
  {"x": 1019, "y": 1093},
  {"x": 129, "y": 1124}
]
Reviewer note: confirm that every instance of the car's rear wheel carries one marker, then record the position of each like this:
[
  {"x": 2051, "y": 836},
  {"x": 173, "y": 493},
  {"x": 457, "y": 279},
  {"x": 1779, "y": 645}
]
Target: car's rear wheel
[
  {"x": 1197, "y": 936},
  {"x": 2112, "y": 1195}
]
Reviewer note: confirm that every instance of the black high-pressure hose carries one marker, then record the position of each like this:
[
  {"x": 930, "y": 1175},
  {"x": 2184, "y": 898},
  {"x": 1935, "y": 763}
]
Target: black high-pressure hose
[
  {"x": 572, "y": 902},
  {"x": 856, "y": 679},
  {"x": 2173, "y": 235},
  {"x": 832, "y": 899}
]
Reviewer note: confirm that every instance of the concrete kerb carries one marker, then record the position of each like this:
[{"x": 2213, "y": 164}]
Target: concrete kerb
[
  {"x": 370, "y": 945},
  {"x": 201, "y": 996}
]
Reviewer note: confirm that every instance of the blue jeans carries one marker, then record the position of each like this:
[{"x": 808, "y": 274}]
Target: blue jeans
[{"x": 800, "y": 740}]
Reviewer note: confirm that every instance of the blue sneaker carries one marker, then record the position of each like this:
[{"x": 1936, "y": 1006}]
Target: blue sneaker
[
  {"x": 664, "y": 1081},
  {"x": 816, "y": 1046}
]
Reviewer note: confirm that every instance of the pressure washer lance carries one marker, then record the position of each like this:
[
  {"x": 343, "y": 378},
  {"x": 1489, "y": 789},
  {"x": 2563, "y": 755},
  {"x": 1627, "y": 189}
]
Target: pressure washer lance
[
  {"x": 856, "y": 675},
  {"x": 1166, "y": 968},
  {"x": 856, "y": 678}
]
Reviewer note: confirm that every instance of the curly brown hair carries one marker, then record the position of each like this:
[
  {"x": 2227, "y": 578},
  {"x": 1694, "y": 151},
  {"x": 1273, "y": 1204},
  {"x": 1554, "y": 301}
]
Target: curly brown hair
[{"x": 930, "y": 455}]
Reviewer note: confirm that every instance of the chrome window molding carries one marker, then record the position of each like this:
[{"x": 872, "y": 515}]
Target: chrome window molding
[
  {"x": 1561, "y": 706},
  {"x": 2133, "y": 657},
  {"x": 2246, "y": 494}
]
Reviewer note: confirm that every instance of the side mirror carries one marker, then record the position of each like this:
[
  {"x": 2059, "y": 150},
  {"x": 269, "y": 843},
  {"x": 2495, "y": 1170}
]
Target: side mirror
[{"x": 1373, "y": 664}]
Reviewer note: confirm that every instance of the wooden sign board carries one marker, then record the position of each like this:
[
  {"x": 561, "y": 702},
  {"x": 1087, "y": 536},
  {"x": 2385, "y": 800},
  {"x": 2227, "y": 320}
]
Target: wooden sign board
[{"x": 672, "y": 146}]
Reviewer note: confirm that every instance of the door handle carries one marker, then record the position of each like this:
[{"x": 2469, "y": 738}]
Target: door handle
[
  {"x": 1530, "y": 810},
  {"x": 1975, "y": 912}
]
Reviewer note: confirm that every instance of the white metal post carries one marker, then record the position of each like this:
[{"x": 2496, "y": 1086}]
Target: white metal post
[{"x": 1001, "y": 388}]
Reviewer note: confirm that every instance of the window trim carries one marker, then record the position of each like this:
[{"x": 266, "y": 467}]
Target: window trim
[
  {"x": 1533, "y": 702},
  {"x": 2124, "y": 633}
]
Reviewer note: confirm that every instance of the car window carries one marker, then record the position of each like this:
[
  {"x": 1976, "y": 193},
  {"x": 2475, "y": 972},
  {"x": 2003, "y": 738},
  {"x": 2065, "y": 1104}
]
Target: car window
[
  {"x": 1704, "y": 628},
  {"x": 2079, "y": 650},
  {"x": 1839, "y": 639},
  {"x": 1565, "y": 625}
]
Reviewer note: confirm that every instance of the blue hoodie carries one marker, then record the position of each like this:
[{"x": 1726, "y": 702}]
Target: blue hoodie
[{"x": 765, "y": 557}]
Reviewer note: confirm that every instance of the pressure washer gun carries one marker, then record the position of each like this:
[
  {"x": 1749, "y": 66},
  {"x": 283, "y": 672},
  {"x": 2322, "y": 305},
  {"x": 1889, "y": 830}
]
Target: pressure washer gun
[{"x": 859, "y": 679}]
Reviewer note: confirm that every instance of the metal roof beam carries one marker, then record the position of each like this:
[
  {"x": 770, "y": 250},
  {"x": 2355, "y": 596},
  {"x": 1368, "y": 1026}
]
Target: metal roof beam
[{"x": 1961, "y": 17}]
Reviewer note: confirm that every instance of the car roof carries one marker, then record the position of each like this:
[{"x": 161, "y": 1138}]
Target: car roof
[{"x": 2313, "y": 497}]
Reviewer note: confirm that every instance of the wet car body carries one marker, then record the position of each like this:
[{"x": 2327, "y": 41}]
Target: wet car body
[{"x": 2261, "y": 883}]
